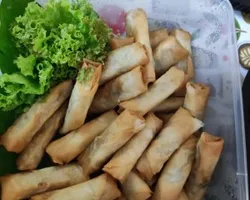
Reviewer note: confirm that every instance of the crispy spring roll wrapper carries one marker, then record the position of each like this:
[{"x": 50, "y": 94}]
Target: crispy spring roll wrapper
[
  {"x": 19, "y": 135},
  {"x": 181, "y": 92},
  {"x": 165, "y": 117},
  {"x": 125, "y": 158},
  {"x": 169, "y": 105},
  {"x": 190, "y": 68},
  {"x": 178, "y": 129},
  {"x": 182, "y": 65},
  {"x": 196, "y": 99},
  {"x": 122, "y": 197},
  {"x": 175, "y": 173},
  {"x": 144, "y": 169},
  {"x": 102, "y": 187},
  {"x": 152, "y": 182},
  {"x": 168, "y": 53},
  {"x": 183, "y": 196},
  {"x": 26, "y": 184},
  {"x": 189, "y": 76},
  {"x": 209, "y": 149},
  {"x": 82, "y": 96},
  {"x": 143, "y": 166},
  {"x": 30, "y": 158},
  {"x": 157, "y": 36},
  {"x": 67, "y": 148},
  {"x": 184, "y": 38},
  {"x": 124, "y": 87},
  {"x": 187, "y": 66},
  {"x": 166, "y": 85},
  {"x": 113, "y": 138},
  {"x": 117, "y": 43},
  {"x": 123, "y": 60},
  {"x": 135, "y": 188},
  {"x": 137, "y": 27}
]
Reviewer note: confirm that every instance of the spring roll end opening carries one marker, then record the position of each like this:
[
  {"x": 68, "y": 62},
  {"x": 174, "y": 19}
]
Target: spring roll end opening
[
  {"x": 57, "y": 160},
  {"x": 144, "y": 169},
  {"x": 181, "y": 31},
  {"x": 95, "y": 77},
  {"x": 197, "y": 87},
  {"x": 113, "y": 173},
  {"x": 209, "y": 138}
]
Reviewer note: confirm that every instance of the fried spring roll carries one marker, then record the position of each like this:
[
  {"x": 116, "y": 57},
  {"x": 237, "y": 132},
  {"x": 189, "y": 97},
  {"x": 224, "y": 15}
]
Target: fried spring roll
[
  {"x": 117, "y": 43},
  {"x": 157, "y": 36},
  {"x": 82, "y": 96},
  {"x": 124, "y": 87},
  {"x": 168, "y": 53},
  {"x": 144, "y": 169},
  {"x": 123, "y": 60},
  {"x": 187, "y": 66},
  {"x": 152, "y": 182},
  {"x": 196, "y": 99},
  {"x": 30, "y": 158},
  {"x": 67, "y": 148},
  {"x": 102, "y": 187},
  {"x": 209, "y": 149},
  {"x": 19, "y": 135},
  {"x": 26, "y": 184},
  {"x": 181, "y": 92},
  {"x": 125, "y": 158},
  {"x": 135, "y": 188},
  {"x": 157, "y": 92},
  {"x": 182, "y": 65},
  {"x": 114, "y": 137},
  {"x": 184, "y": 38},
  {"x": 169, "y": 105},
  {"x": 176, "y": 171},
  {"x": 183, "y": 196},
  {"x": 164, "y": 117},
  {"x": 190, "y": 68},
  {"x": 178, "y": 129},
  {"x": 189, "y": 76},
  {"x": 137, "y": 27}
]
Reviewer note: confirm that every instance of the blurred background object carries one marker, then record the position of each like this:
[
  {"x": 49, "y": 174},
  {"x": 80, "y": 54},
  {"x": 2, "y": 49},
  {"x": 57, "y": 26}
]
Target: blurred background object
[{"x": 243, "y": 5}]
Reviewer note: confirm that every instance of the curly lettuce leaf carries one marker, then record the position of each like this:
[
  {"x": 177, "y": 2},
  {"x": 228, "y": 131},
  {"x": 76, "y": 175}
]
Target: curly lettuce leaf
[
  {"x": 50, "y": 43},
  {"x": 26, "y": 65}
]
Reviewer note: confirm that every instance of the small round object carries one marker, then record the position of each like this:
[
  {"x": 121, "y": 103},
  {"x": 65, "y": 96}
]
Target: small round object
[{"x": 244, "y": 55}]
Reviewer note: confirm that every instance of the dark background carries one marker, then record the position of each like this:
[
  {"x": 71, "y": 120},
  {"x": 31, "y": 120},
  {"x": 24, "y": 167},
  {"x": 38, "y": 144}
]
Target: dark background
[
  {"x": 246, "y": 103},
  {"x": 243, "y": 5}
]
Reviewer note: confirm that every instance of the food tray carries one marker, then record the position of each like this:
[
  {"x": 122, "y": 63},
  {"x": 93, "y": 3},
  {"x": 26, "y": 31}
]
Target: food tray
[{"x": 211, "y": 23}]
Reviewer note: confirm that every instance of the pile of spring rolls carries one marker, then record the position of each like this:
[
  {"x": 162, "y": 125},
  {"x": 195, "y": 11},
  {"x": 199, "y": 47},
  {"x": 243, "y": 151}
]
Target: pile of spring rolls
[{"x": 131, "y": 130}]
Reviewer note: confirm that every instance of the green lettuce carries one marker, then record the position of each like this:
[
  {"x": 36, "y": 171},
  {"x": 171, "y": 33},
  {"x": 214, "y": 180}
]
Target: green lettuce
[
  {"x": 85, "y": 74},
  {"x": 48, "y": 45}
]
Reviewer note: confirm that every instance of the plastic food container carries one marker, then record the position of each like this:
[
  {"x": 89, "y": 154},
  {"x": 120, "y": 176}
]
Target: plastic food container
[{"x": 211, "y": 23}]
